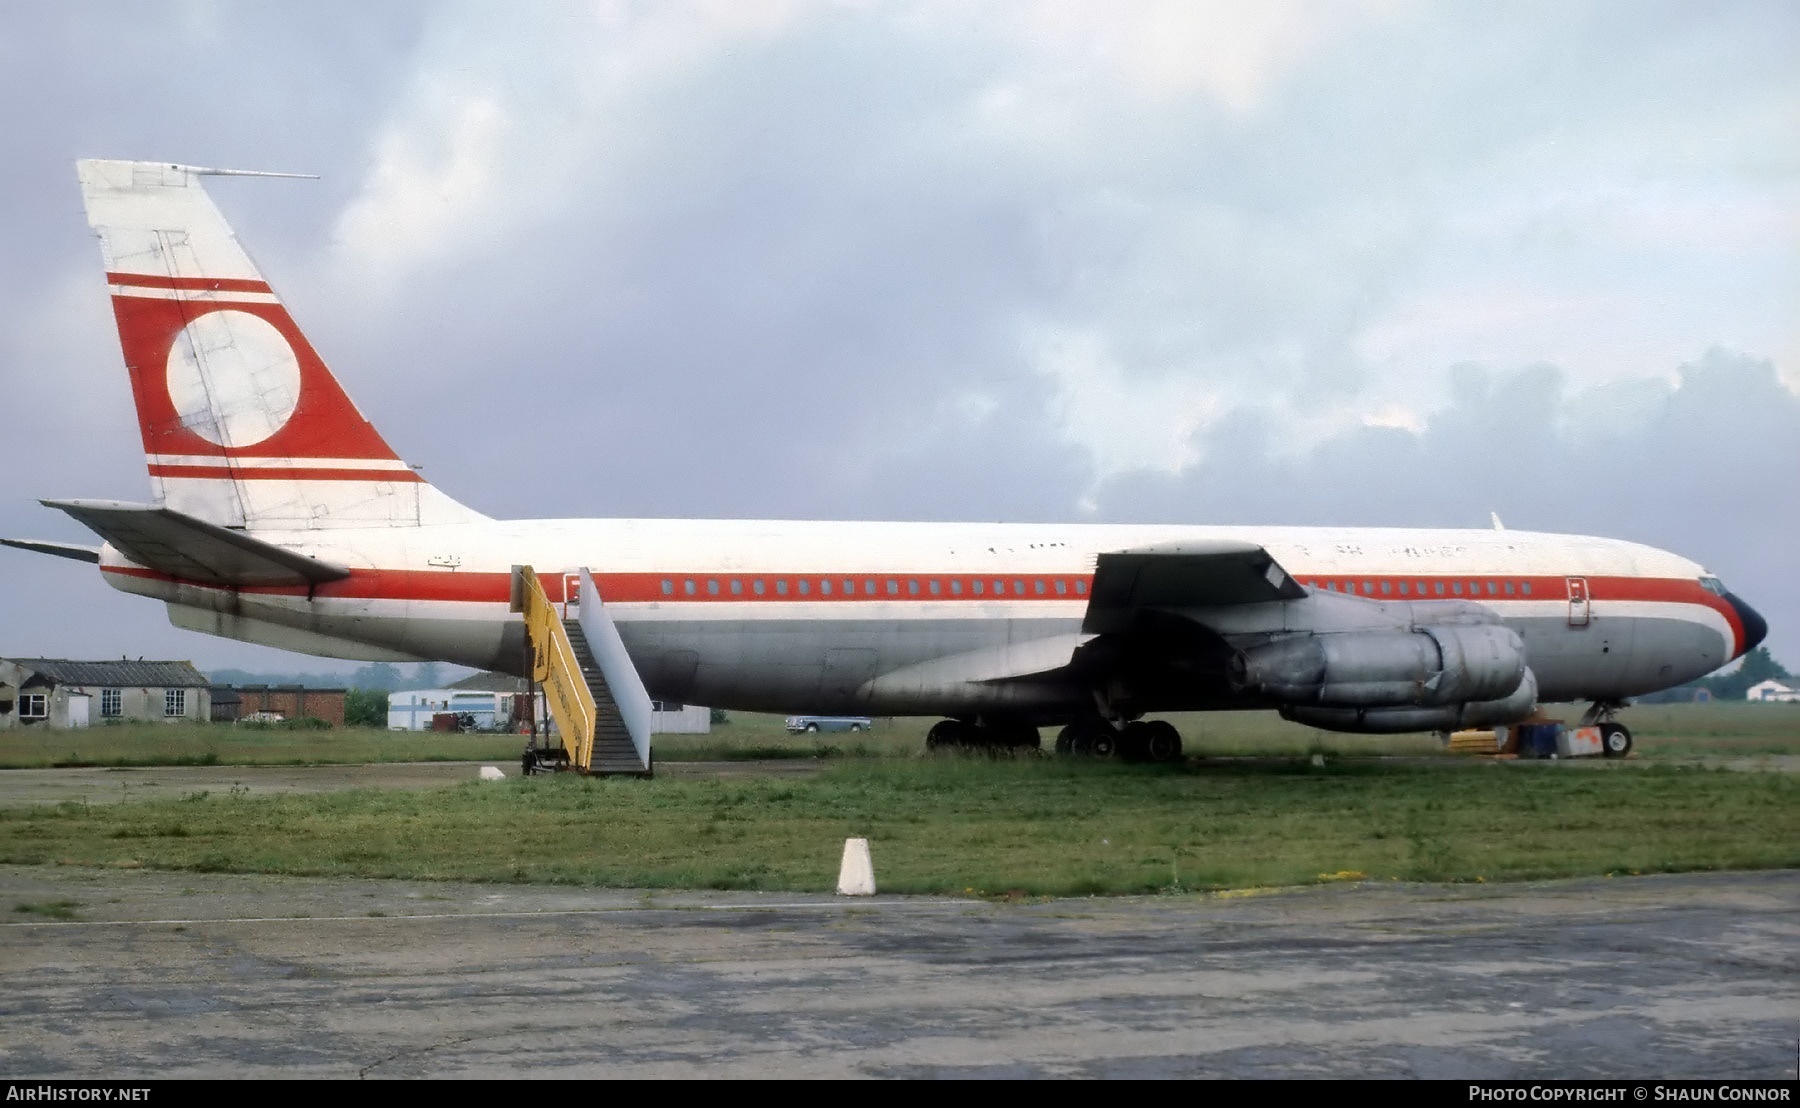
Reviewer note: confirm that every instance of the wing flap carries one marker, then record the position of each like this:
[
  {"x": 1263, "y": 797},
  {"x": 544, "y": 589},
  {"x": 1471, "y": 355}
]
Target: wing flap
[
  {"x": 192, "y": 549},
  {"x": 1183, "y": 575}
]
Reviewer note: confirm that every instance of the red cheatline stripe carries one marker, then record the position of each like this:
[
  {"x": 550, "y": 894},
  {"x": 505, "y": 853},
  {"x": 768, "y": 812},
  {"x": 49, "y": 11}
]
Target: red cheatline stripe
[
  {"x": 227, "y": 473},
  {"x": 639, "y": 588},
  {"x": 201, "y": 284}
]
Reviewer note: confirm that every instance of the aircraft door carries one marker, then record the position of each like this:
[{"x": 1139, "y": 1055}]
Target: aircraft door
[
  {"x": 1578, "y": 602},
  {"x": 571, "y": 603}
]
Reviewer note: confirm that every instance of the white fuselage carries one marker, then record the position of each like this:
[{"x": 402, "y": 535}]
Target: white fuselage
[{"x": 804, "y": 616}]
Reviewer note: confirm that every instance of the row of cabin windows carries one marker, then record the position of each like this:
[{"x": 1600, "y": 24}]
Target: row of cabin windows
[
  {"x": 1407, "y": 588},
  {"x": 875, "y": 586}
]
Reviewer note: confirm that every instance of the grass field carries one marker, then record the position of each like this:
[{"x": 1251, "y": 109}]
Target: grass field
[
  {"x": 1679, "y": 729},
  {"x": 1029, "y": 825},
  {"x": 970, "y": 825}
]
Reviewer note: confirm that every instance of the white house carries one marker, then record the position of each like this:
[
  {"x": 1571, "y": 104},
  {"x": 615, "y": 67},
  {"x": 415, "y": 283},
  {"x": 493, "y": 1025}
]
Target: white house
[{"x": 1788, "y": 690}]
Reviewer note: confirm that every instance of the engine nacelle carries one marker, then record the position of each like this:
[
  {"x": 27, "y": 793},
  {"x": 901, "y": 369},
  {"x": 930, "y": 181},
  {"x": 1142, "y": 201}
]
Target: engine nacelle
[
  {"x": 1454, "y": 717},
  {"x": 1426, "y": 667}
]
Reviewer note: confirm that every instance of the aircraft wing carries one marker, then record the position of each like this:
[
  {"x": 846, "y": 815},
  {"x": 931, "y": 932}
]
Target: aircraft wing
[
  {"x": 194, "y": 550},
  {"x": 1183, "y": 575}
]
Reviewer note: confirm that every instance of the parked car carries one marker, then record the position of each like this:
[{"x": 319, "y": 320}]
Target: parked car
[{"x": 815, "y": 724}]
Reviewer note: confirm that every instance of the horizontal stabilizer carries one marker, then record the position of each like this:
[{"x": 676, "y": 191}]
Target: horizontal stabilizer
[
  {"x": 1183, "y": 575},
  {"x": 194, "y": 550},
  {"x": 60, "y": 549}
]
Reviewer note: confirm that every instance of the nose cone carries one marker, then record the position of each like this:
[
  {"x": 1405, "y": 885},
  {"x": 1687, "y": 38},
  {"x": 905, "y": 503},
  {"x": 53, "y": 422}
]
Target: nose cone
[{"x": 1756, "y": 628}]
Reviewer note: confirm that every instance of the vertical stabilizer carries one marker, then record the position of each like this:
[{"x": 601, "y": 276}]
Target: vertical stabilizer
[{"x": 243, "y": 424}]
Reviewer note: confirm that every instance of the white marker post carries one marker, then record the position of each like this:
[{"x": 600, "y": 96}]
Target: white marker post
[{"x": 856, "y": 876}]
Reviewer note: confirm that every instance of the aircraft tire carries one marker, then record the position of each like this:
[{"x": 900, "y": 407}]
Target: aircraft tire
[
  {"x": 1615, "y": 740},
  {"x": 947, "y": 734},
  {"x": 1162, "y": 743}
]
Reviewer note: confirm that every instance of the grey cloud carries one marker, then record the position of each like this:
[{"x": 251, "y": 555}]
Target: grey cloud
[{"x": 1699, "y": 474}]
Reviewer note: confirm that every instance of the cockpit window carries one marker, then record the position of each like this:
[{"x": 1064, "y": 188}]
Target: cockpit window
[{"x": 1713, "y": 585}]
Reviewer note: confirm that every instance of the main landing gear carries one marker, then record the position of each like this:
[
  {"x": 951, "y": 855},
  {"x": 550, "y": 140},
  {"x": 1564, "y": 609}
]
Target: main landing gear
[
  {"x": 1615, "y": 737},
  {"x": 1139, "y": 741}
]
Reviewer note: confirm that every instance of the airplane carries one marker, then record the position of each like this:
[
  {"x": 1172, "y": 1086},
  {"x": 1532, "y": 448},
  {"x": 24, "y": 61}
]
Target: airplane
[{"x": 282, "y": 517}]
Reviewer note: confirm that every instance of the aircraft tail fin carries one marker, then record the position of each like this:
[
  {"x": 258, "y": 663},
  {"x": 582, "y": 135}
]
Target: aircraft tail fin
[{"x": 243, "y": 424}]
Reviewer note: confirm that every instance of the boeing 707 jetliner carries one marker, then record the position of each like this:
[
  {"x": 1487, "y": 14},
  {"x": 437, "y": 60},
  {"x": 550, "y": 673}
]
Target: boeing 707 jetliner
[{"x": 281, "y": 516}]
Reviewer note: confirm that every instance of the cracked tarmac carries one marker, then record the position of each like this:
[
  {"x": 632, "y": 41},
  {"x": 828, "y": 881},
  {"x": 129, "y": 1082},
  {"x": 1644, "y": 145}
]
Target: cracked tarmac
[{"x": 210, "y": 975}]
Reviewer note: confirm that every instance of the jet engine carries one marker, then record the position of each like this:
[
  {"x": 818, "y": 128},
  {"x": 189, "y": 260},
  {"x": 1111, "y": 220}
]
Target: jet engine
[
  {"x": 1425, "y": 667},
  {"x": 1452, "y": 717}
]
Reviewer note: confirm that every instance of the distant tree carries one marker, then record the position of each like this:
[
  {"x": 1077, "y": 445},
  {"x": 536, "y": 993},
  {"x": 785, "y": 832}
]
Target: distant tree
[
  {"x": 377, "y": 675},
  {"x": 1758, "y": 666},
  {"x": 366, "y": 708},
  {"x": 426, "y": 676}
]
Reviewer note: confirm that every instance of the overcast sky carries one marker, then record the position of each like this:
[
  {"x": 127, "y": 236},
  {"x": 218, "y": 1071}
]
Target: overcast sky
[{"x": 1332, "y": 263}]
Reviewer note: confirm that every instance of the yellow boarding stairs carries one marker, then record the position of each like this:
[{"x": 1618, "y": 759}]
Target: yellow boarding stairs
[{"x": 594, "y": 694}]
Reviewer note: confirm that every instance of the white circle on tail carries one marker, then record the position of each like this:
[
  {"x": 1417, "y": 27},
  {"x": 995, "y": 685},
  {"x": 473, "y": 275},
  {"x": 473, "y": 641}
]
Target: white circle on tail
[{"x": 233, "y": 378}]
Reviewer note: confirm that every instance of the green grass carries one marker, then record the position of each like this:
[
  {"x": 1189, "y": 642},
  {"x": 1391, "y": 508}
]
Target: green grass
[
  {"x": 152, "y": 744},
  {"x": 1030, "y": 826},
  {"x": 52, "y": 909}
]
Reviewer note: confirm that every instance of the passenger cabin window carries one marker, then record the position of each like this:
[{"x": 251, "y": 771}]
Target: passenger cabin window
[
  {"x": 824, "y": 587},
  {"x": 912, "y": 588},
  {"x": 737, "y": 587},
  {"x": 936, "y": 588},
  {"x": 712, "y": 586},
  {"x": 1038, "y": 586},
  {"x": 1526, "y": 587},
  {"x": 1081, "y": 588},
  {"x": 687, "y": 586},
  {"x": 977, "y": 586},
  {"x": 1062, "y": 587},
  {"x": 756, "y": 586},
  {"x": 1403, "y": 588},
  {"x": 893, "y": 587},
  {"x": 668, "y": 587},
  {"x": 781, "y": 587},
  {"x": 1456, "y": 587},
  {"x": 955, "y": 586}
]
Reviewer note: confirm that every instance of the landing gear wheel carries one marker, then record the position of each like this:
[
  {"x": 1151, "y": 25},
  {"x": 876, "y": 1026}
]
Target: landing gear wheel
[
  {"x": 1615, "y": 740},
  {"x": 947, "y": 734},
  {"x": 1162, "y": 743},
  {"x": 1065, "y": 740}
]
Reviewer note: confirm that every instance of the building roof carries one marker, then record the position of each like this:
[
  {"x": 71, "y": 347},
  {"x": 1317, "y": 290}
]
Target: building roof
[{"x": 66, "y": 671}]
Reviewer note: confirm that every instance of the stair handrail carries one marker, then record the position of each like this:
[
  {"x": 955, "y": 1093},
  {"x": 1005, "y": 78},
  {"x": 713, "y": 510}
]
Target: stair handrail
[
  {"x": 555, "y": 669},
  {"x": 622, "y": 681}
]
